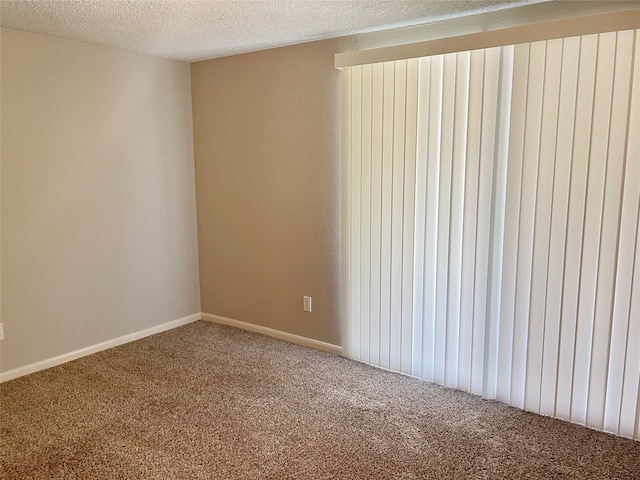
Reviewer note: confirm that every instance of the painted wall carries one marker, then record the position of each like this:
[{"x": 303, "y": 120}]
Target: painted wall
[
  {"x": 268, "y": 185},
  {"x": 98, "y": 204}
]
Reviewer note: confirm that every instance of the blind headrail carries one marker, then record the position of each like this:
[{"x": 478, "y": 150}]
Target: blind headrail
[{"x": 617, "y": 21}]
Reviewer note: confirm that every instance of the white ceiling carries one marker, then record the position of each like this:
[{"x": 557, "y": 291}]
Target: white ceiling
[{"x": 192, "y": 30}]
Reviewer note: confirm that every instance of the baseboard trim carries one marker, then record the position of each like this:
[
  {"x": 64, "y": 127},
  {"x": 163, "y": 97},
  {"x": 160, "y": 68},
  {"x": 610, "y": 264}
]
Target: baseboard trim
[
  {"x": 270, "y": 332},
  {"x": 83, "y": 352}
]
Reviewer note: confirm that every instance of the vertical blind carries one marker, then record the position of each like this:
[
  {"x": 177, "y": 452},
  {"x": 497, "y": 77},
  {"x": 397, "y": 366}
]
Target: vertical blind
[{"x": 491, "y": 204}]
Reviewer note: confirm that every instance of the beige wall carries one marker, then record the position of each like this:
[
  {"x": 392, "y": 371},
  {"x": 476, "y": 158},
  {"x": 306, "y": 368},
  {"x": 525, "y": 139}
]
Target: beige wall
[
  {"x": 267, "y": 156},
  {"x": 98, "y": 203}
]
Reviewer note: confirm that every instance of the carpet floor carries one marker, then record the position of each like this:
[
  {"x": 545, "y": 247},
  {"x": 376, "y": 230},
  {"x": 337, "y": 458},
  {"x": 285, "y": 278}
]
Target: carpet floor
[{"x": 214, "y": 402}]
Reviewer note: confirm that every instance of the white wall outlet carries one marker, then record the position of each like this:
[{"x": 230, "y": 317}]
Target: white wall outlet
[
  {"x": 1, "y": 331},
  {"x": 306, "y": 304}
]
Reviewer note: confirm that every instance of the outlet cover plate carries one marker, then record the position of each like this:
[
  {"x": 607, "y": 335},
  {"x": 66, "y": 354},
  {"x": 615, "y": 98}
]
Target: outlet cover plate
[{"x": 306, "y": 304}]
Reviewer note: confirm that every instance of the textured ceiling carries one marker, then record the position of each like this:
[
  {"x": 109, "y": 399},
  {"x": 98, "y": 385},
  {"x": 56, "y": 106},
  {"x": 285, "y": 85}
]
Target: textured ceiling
[{"x": 192, "y": 30}]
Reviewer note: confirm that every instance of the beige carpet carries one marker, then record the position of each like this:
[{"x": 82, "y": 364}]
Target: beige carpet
[{"x": 206, "y": 401}]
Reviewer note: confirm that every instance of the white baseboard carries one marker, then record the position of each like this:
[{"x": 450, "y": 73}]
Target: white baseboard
[
  {"x": 270, "y": 332},
  {"x": 83, "y": 352}
]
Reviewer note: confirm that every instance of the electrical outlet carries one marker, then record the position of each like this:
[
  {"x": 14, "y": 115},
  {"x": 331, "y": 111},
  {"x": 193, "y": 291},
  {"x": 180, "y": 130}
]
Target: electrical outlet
[
  {"x": 306, "y": 304},
  {"x": 1, "y": 331}
]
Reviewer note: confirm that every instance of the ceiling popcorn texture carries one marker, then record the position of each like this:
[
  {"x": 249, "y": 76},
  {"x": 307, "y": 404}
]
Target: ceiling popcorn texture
[{"x": 192, "y": 30}]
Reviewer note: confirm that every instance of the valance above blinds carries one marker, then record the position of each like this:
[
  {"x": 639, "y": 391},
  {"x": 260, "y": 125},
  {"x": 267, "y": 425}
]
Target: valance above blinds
[{"x": 611, "y": 22}]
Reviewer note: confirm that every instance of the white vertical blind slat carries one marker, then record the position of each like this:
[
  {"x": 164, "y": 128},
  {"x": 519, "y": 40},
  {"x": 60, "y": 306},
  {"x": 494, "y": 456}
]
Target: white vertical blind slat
[
  {"x": 558, "y": 233},
  {"x": 575, "y": 223},
  {"x": 593, "y": 224},
  {"x": 434, "y": 137},
  {"x": 345, "y": 224},
  {"x": 376, "y": 211},
  {"x": 631, "y": 386},
  {"x": 474, "y": 118},
  {"x": 365, "y": 216},
  {"x": 610, "y": 229},
  {"x": 442, "y": 270},
  {"x": 457, "y": 211},
  {"x": 409, "y": 210},
  {"x": 512, "y": 221},
  {"x": 526, "y": 232},
  {"x": 544, "y": 196},
  {"x": 422, "y": 128},
  {"x": 385, "y": 249},
  {"x": 498, "y": 212},
  {"x": 630, "y": 265},
  {"x": 397, "y": 212},
  {"x": 483, "y": 225},
  {"x": 355, "y": 189},
  {"x": 625, "y": 250},
  {"x": 630, "y": 406},
  {"x": 636, "y": 434}
]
